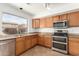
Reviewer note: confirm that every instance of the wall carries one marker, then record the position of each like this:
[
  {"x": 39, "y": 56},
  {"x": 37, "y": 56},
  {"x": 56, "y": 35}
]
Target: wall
[
  {"x": 50, "y": 30},
  {"x": 6, "y": 8}
]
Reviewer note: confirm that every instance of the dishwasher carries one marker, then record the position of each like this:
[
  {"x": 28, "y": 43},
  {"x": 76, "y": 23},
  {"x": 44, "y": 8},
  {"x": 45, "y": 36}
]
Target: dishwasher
[{"x": 7, "y": 47}]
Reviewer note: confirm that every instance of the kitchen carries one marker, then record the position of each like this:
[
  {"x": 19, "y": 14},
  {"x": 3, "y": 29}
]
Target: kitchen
[{"x": 39, "y": 29}]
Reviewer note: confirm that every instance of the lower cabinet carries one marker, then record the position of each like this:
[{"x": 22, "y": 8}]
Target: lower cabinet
[
  {"x": 48, "y": 41},
  {"x": 45, "y": 41},
  {"x": 20, "y": 45},
  {"x": 25, "y": 43},
  {"x": 74, "y": 46},
  {"x": 28, "y": 43},
  {"x": 41, "y": 40},
  {"x": 34, "y": 40}
]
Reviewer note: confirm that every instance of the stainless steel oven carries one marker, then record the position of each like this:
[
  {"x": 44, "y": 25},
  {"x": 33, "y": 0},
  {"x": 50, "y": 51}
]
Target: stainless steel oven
[
  {"x": 60, "y": 47},
  {"x": 60, "y": 41}
]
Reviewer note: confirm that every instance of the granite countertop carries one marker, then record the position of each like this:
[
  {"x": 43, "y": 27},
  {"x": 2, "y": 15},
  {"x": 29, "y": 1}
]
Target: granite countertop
[{"x": 6, "y": 37}]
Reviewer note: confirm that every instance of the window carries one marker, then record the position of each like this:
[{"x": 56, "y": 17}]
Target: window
[{"x": 12, "y": 24}]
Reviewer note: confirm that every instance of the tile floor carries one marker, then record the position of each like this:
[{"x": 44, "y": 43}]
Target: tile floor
[{"x": 42, "y": 51}]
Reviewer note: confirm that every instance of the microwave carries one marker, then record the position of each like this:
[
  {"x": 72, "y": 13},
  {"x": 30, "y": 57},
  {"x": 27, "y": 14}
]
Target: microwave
[{"x": 60, "y": 24}]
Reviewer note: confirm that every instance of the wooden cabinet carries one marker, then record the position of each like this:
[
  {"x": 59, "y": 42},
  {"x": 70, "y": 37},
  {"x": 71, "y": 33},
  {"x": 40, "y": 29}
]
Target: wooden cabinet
[
  {"x": 48, "y": 41},
  {"x": 45, "y": 40},
  {"x": 74, "y": 46},
  {"x": 20, "y": 47},
  {"x": 56, "y": 18},
  {"x": 28, "y": 43},
  {"x": 42, "y": 22},
  {"x": 49, "y": 22},
  {"x": 24, "y": 43},
  {"x": 34, "y": 40},
  {"x": 63, "y": 17},
  {"x": 73, "y": 19},
  {"x": 46, "y": 22},
  {"x": 41, "y": 40},
  {"x": 35, "y": 23}
]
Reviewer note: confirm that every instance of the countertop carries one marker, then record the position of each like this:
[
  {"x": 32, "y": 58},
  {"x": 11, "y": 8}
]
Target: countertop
[{"x": 6, "y": 37}]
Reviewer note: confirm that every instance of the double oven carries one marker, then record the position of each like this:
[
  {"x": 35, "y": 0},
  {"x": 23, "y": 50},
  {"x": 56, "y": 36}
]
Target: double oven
[{"x": 60, "y": 37}]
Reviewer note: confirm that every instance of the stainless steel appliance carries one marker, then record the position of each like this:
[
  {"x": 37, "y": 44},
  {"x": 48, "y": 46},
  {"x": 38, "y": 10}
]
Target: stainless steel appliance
[
  {"x": 60, "y": 41},
  {"x": 60, "y": 36},
  {"x": 60, "y": 24},
  {"x": 7, "y": 47}
]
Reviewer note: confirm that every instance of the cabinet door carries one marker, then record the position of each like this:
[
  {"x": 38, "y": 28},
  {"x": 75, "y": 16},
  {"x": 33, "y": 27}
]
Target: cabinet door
[
  {"x": 49, "y": 22},
  {"x": 48, "y": 41},
  {"x": 56, "y": 18},
  {"x": 34, "y": 40},
  {"x": 41, "y": 40},
  {"x": 28, "y": 43},
  {"x": 42, "y": 22},
  {"x": 35, "y": 23},
  {"x": 74, "y": 46},
  {"x": 73, "y": 19},
  {"x": 64, "y": 17},
  {"x": 20, "y": 47}
]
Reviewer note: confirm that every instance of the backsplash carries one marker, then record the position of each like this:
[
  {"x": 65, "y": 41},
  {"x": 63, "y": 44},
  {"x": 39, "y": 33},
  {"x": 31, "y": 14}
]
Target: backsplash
[
  {"x": 73, "y": 30},
  {"x": 46, "y": 30}
]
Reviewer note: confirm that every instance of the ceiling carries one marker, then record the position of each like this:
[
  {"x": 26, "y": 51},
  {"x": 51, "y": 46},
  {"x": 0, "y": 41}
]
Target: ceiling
[
  {"x": 36, "y": 8},
  {"x": 46, "y": 9}
]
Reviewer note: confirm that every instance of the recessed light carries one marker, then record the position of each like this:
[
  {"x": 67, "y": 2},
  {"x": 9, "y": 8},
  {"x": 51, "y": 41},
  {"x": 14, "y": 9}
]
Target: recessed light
[{"x": 20, "y": 8}]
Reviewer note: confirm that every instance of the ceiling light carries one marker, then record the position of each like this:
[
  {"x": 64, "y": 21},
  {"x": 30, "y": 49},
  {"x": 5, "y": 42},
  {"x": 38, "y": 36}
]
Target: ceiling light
[
  {"x": 28, "y": 3},
  {"x": 46, "y": 5}
]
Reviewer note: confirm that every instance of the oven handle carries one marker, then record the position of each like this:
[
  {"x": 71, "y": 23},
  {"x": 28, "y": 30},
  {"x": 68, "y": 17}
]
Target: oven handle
[{"x": 59, "y": 37}]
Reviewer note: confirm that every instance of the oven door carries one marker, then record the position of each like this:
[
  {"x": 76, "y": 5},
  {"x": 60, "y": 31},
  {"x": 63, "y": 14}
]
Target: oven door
[
  {"x": 60, "y": 34},
  {"x": 60, "y": 46},
  {"x": 60, "y": 39}
]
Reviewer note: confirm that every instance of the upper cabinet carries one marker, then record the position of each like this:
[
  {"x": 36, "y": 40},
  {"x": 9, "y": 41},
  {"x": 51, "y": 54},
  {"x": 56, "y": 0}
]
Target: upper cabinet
[
  {"x": 46, "y": 22},
  {"x": 42, "y": 22},
  {"x": 60, "y": 17},
  {"x": 73, "y": 19},
  {"x": 35, "y": 23},
  {"x": 56, "y": 18},
  {"x": 49, "y": 22},
  {"x": 64, "y": 17}
]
